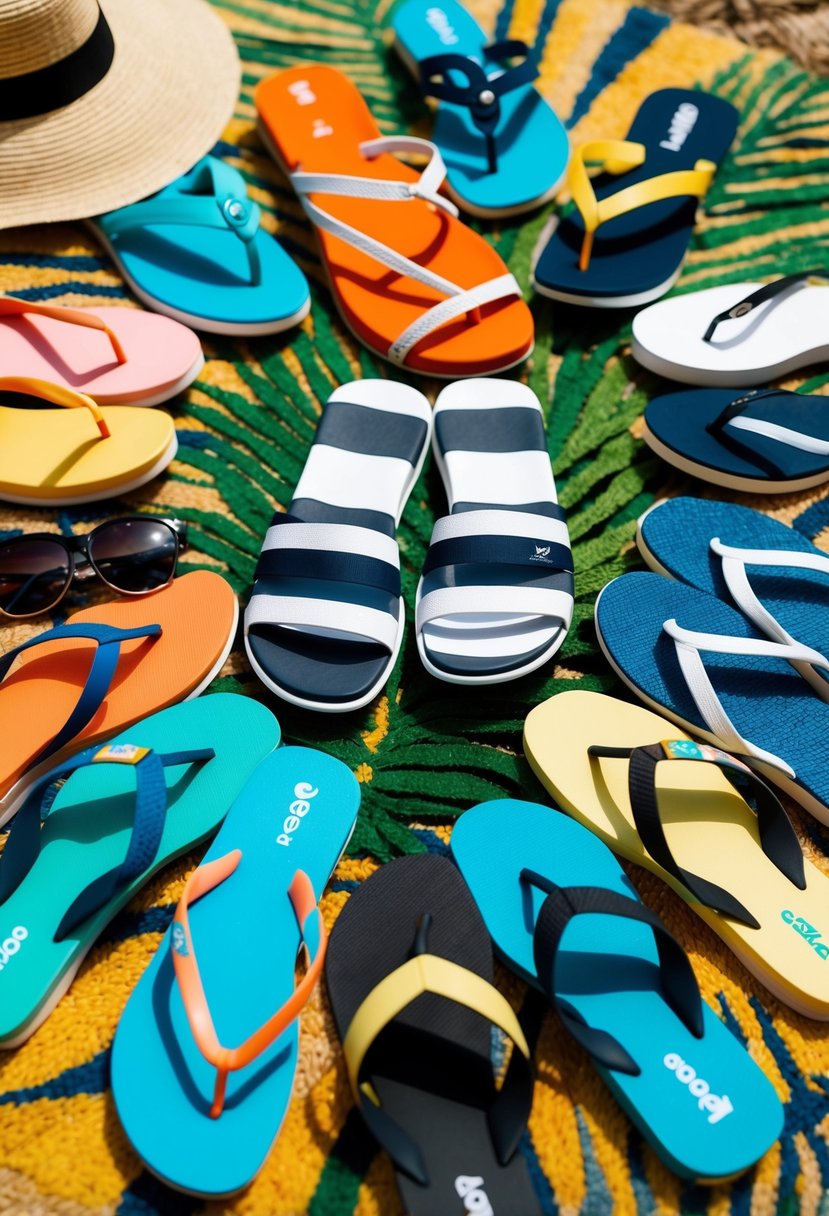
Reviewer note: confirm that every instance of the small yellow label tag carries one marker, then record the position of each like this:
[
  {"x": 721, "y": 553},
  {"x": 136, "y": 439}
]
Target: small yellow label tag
[{"x": 121, "y": 753}]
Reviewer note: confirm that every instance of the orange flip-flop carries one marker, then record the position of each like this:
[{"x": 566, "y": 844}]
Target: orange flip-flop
[
  {"x": 107, "y": 667},
  {"x": 410, "y": 279}
]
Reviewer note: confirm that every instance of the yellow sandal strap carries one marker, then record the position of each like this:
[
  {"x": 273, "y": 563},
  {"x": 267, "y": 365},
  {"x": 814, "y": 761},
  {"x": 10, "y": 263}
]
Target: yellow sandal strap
[
  {"x": 11, "y": 306},
  {"x": 55, "y": 394},
  {"x": 620, "y": 156}
]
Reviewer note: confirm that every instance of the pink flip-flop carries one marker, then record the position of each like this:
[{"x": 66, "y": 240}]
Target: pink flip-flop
[{"x": 119, "y": 356}]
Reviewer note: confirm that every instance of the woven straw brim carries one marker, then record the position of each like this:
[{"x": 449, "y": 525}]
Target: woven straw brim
[{"x": 165, "y": 101}]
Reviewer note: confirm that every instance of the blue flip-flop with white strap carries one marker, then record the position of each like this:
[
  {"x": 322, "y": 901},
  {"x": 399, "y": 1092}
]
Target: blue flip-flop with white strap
[
  {"x": 124, "y": 811},
  {"x": 206, "y": 1051},
  {"x": 707, "y": 668},
  {"x": 772, "y": 573},
  {"x": 196, "y": 252},
  {"x": 496, "y": 597},
  {"x": 325, "y": 622},
  {"x": 763, "y": 441},
  {"x": 563, "y": 914},
  {"x": 504, "y": 147}
]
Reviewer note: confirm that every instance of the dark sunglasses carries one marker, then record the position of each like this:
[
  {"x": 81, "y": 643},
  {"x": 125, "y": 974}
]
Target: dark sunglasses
[{"x": 132, "y": 556}]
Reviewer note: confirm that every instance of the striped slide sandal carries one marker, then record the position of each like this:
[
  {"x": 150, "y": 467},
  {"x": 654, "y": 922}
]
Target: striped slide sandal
[
  {"x": 496, "y": 597},
  {"x": 325, "y": 622}
]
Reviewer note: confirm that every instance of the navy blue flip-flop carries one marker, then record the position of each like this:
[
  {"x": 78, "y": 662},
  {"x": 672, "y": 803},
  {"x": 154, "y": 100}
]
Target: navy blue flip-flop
[
  {"x": 638, "y": 246},
  {"x": 703, "y": 665},
  {"x": 764, "y": 441},
  {"x": 776, "y": 577}
]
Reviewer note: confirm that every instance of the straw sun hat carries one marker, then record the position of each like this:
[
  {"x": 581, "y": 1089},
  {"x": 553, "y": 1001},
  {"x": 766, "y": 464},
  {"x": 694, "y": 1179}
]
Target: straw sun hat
[{"x": 103, "y": 104}]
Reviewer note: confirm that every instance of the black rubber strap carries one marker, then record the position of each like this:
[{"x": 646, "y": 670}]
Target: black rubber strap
[
  {"x": 767, "y": 292},
  {"x": 718, "y": 429},
  {"x": 777, "y": 836},
  {"x": 677, "y": 979},
  {"x": 60, "y": 83}
]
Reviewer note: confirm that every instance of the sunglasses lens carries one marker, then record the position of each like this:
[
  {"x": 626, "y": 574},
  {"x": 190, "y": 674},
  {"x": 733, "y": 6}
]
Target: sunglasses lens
[
  {"x": 135, "y": 555},
  {"x": 33, "y": 575}
]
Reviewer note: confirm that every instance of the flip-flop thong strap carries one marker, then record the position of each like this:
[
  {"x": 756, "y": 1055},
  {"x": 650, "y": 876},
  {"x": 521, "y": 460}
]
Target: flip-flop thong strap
[
  {"x": 767, "y": 292},
  {"x": 55, "y": 394},
  {"x": 676, "y": 976},
  {"x": 11, "y": 306},
  {"x": 430, "y": 973},
  {"x": 620, "y": 156},
  {"x": 229, "y": 1059},
  {"x": 108, "y": 640},
  {"x": 25, "y": 836},
  {"x": 777, "y": 836}
]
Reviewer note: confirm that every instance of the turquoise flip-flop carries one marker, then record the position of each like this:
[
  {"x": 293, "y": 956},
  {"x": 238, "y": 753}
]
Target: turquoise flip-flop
[
  {"x": 125, "y": 810},
  {"x": 504, "y": 147},
  {"x": 195, "y": 252},
  {"x": 205, "y": 1053},
  {"x": 566, "y": 918}
]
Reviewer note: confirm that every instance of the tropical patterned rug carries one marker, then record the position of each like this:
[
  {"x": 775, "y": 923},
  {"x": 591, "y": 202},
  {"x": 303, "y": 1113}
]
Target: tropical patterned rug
[{"x": 426, "y": 751}]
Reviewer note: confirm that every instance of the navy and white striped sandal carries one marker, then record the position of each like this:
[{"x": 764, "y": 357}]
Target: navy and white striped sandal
[
  {"x": 496, "y": 597},
  {"x": 325, "y": 622}
]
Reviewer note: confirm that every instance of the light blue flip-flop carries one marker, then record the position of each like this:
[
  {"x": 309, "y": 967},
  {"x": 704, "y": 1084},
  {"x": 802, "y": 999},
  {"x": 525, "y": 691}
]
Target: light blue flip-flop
[
  {"x": 195, "y": 252},
  {"x": 702, "y": 664},
  {"x": 203, "y": 1115},
  {"x": 565, "y": 917},
  {"x": 504, "y": 147},
  {"x": 125, "y": 810},
  {"x": 772, "y": 573}
]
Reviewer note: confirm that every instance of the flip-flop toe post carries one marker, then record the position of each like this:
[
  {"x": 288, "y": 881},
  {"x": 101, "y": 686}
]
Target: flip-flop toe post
[
  {"x": 760, "y": 441},
  {"x": 625, "y": 238},
  {"x": 125, "y": 810},
  {"x": 709, "y": 670},
  {"x": 416, "y": 1014},
  {"x": 118, "y": 356},
  {"x": 414, "y": 284},
  {"x": 59, "y": 448},
  {"x": 325, "y": 622},
  {"x": 563, "y": 914},
  {"x": 741, "y": 334},
  {"x": 108, "y": 666},
  {"x": 206, "y": 1051},
  {"x": 197, "y": 253},
  {"x": 491, "y": 120},
  {"x": 699, "y": 819},
  {"x": 496, "y": 597}
]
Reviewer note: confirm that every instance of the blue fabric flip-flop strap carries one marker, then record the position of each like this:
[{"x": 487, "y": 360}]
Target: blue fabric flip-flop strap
[
  {"x": 767, "y": 292},
  {"x": 104, "y": 664},
  {"x": 23, "y": 843},
  {"x": 480, "y": 92},
  {"x": 678, "y": 983},
  {"x": 778, "y": 839},
  {"x": 213, "y": 195}
]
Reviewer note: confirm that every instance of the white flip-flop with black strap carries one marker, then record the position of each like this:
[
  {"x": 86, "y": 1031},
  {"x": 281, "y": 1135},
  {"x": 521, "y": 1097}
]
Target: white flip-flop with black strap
[
  {"x": 325, "y": 622},
  {"x": 496, "y": 597}
]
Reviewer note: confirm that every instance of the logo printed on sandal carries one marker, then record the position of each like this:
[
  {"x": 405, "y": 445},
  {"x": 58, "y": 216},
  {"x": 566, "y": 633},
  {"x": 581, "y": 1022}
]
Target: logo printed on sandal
[
  {"x": 717, "y": 1107},
  {"x": 11, "y": 945},
  {"x": 179, "y": 939},
  {"x": 299, "y": 808},
  {"x": 121, "y": 753},
  {"x": 682, "y": 124},
  {"x": 809, "y": 933},
  {"x": 471, "y": 1191},
  {"x": 302, "y": 92},
  {"x": 440, "y": 23},
  {"x": 542, "y": 553}
]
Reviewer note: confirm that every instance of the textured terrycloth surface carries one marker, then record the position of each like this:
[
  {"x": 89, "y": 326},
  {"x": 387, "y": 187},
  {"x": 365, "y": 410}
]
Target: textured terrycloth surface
[{"x": 427, "y": 750}]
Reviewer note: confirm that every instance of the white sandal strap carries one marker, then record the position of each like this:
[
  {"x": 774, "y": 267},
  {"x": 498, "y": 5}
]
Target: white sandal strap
[
  {"x": 492, "y": 522},
  {"x": 518, "y": 601},
  {"x": 447, "y": 310},
  {"x": 337, "y": 616},
  {"x": 426, "y": 187},
  {"x": 783, "y": 434}
]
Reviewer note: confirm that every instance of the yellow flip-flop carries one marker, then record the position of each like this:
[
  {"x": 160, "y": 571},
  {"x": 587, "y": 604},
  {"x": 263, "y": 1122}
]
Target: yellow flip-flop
[
  {"x": 78, "y": 452},
  {"x": 742, "y": 870}
]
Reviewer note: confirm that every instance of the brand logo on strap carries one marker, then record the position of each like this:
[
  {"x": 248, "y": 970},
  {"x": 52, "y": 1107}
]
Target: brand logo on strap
[
  {"x": 179, "y": 939},
  {"x": 299, "y": 808},
  {"x": 11, "y": 945},
  {"x": 542, "y": 553},
  {"x": 471, "y": 1191},
  {"x": 808, "y": 932},
  {"x": 121, "y": 753},
  {"x": 682, "y": 124},
  {"x": 716, "y": 1107},
  {"x": 440, "y": 23}
]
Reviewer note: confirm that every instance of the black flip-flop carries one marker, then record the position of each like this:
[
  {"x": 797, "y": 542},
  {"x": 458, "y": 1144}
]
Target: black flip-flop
[{"x": 409, "y": 972}]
